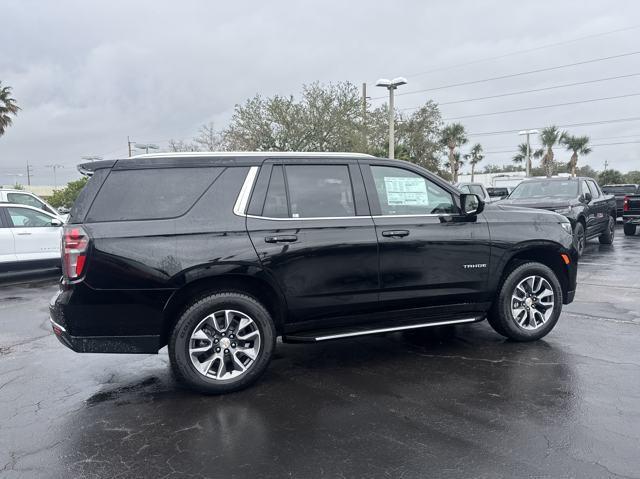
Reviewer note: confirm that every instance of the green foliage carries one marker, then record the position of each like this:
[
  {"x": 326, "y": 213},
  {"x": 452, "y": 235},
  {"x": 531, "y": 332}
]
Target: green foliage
[
  {"x": 454, "y": 136},
  {"x": 18, "y": 186},
  {"x": 609, "y": 177},
  {"x": 549, "y": 137},
  {"x": 632, "y": 177},
  {"x": 578, "y": 145},
  {"x": 501, "y": 168},
  {"x": 8, "y": 108},
  {"x": 66, "y": 196}
]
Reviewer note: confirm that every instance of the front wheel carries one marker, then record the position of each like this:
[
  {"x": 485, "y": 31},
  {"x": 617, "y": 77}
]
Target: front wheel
[
  {"x": 222, "y": 343},
  {"x": 528, "y": 304},
  {"x": 629, "y": 229},
  {"x": 609, "y": 233},
  {"x": 579, "y": 238}
]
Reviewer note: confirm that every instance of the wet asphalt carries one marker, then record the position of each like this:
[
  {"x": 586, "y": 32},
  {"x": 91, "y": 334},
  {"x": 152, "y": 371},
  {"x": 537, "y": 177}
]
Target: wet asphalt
[{"x": 452, "y": 402}]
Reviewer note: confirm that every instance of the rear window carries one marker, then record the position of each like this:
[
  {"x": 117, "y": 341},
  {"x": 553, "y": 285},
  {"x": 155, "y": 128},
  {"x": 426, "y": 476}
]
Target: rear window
[
  {"x": 619, "y": 190},
  {"x": 149, "y": 194}
]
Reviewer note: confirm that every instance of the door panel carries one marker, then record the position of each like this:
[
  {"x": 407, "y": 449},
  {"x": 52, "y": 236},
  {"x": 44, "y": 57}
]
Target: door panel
[
  {"x": 33, "y": 234},
  {"x": 7, "y": 246}
]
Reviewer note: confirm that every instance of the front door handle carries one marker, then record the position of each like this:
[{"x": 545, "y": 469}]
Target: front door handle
[
  {"x": 281, "y": 239},
  {"x": 23, "y": 234},
  {"x": 395, "y": 233}
]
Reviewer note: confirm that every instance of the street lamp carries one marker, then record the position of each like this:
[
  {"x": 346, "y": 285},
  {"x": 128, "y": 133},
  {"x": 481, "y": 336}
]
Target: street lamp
[
  {"x": 391, "y": 85},
  {"x": 146, "y": 146},
  {"x": 527, "y": 133},
  {"x": 91, "y": 157}
]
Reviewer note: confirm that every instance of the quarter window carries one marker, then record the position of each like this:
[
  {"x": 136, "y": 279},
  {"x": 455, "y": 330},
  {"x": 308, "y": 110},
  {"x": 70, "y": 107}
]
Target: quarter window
[
  {"x": 402, "y": 192},
  {"x": 25, "y": 218},
  {"x": 320, "y": 191}
]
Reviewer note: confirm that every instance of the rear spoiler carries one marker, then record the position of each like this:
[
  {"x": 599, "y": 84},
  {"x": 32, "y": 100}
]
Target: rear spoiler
[{"x": 87, "y": 169}]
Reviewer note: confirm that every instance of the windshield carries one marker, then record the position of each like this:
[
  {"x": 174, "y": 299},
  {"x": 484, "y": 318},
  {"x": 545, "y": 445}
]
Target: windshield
[{"x": 546, "y": 189}]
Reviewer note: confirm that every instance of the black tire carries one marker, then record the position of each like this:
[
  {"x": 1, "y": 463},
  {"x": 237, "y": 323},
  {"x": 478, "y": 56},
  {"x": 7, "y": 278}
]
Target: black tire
[
  {"x": 579, "y": 238},
  {"x": 629, "y": 229},
  {"x": 501, "y": 317},
  {"x": 180, "y": 340},
  {"x": 609, "y": 233}
]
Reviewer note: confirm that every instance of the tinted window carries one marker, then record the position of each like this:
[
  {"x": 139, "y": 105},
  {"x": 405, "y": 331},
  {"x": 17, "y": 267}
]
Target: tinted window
[
  {"x": 25, "y": 218},
  {"x": 402, "y": 192},
  {"x": 619, "y": 190},
  {"x": 546, "y": 189},
  {"x": 476, "y": 190},
  {"x": 275, "y": 204},
  {"x": 320, "y": 191},
  {"x": 150, "y": 193},
  {"x": 87, "y": 194},
  {"x": 595, "y": 192},
  {"x": 22, "y": 199}
]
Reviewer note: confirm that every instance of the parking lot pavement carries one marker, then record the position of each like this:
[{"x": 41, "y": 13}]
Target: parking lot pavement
[{"x": 454, "y": 402}]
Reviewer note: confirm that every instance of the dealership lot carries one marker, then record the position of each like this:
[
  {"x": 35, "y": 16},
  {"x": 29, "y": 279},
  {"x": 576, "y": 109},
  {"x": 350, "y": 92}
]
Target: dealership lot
[{"x": 458, "y": 402}]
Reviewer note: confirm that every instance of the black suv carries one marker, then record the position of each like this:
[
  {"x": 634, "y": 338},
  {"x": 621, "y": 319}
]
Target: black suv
[{"x": 216, "y": 255}]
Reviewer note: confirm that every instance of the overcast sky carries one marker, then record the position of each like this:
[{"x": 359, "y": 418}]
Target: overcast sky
[{"x": 87, "y": 74}]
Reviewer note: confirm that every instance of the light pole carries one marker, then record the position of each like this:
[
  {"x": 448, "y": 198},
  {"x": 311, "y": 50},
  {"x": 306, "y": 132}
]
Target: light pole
[
  {"x": 55, "y": 166},
  {"x": 391, "y": 85},
  {"x": 528, "y": 133},
  {"x": 16, "y": 176},
  {"x": 146, "y": 146},
  {"x": 91, "y": 158}
]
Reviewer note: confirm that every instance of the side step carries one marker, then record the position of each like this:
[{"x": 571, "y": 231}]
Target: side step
[{"x": 325, "y": 335}]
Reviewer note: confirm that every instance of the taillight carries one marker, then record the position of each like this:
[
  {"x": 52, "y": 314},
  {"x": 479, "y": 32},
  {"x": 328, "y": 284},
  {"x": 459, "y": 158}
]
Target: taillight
[
  {"x": 75, "y": 242},
  {"x": 625, "y": 204}
]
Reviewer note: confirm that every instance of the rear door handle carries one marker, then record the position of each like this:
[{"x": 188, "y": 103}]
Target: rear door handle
[
  {"x": 23, "y": 234},
  {"x": 281, "y": 239},
  {"x": 395, "y": 233}
]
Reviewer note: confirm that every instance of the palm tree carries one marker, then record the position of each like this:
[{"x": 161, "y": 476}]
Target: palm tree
[
  {"x": 521, "y": 156},
  {"x": 549, "y": 138},
  {"x": 8, "y": 107},
  {"x": 579, "y": 145},
  {"x": 474, "y": 157},
  {"x": 453, "y": 136},
  {"x": 454, "y": 165}
]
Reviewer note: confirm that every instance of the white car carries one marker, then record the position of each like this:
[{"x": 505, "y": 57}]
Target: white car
[
  {"x": 22, "y": 197},
  {"x": 29, "y": 238}
]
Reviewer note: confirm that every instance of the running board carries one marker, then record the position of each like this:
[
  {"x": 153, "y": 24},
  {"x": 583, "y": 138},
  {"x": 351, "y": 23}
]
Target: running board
[{"x": 317, "y": 336}]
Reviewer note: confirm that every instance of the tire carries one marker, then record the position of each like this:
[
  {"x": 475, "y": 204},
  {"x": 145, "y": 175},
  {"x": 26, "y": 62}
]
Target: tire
[
  {"x": 545, "y": 310},
  {"x": 609, "y": 233},
  {"x": 579, "y": 238},
  {"x": 629, "y": 229},
  {"x": 206, "y": 341}
]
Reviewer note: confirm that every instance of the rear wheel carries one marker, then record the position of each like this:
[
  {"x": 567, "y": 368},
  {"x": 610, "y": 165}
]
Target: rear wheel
[
  {"x": 629, "y": 229},
  {"x": 609, "y": 233},
  {"x": 579, "y": 238},
  {"x": 222, "y": 343},
  {"x": 528, "y": 304}
]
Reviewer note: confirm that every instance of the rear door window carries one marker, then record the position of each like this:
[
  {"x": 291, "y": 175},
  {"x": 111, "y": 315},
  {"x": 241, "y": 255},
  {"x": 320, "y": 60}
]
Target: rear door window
[
  {"x": 148, "y": 194},
  {"x": 317, "y": 191},
  {"x": 275, "y": 204}
]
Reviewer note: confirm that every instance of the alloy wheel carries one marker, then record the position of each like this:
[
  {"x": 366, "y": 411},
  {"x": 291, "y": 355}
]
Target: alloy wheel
[
  {"x": 224, "y": 345},
  {"x": 532, "y": 302}
]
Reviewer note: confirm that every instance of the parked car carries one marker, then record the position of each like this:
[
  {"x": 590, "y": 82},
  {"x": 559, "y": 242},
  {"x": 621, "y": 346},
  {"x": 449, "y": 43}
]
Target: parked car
[
  {"x": 29, "y": 238},
  {"x": 631, "y": 214},
  {"x": 215, "y": 255},
  {"x": 477, "y": 189},
  {"x": 25, "y": 198},
  {"x": 619, "y": 192},
  {"x": 591, "y": 212},
  {"x": 498, "y": 192}
]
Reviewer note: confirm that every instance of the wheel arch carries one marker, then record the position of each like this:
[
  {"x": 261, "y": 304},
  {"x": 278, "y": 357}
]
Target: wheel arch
[{"x": 254, "y": 285}]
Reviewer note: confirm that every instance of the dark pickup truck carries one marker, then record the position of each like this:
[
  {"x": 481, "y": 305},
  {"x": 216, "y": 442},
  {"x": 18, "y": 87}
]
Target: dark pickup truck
[
  {"x": 620, "y": 191},
  {"x": 631, "y": 214},
  {"x": 591, "y": 212}
]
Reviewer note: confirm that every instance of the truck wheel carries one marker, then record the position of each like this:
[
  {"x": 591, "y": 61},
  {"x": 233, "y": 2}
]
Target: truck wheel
[
  {"x": 528, "y": 304},
  {"x": 222, "y": 343},
  {"x": 607, "y": 236},
  {"x": 579, "y": 238},
  {"x": 629, "y": 229}
]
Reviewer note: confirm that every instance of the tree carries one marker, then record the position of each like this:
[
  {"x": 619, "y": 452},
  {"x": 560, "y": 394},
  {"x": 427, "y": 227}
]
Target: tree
[
  {"x": 180, "y": 145},
  {"x": 454, "y": 166},
  {"x": 610, "y": 177},
  {"x": 8, "y": 108},
  {"x": 419, "y": 137},
  {"x": 453, "y": 136},
  {"x": 632, "y": 177},
  {"x": 579, "y": 145},
  {"x": 474, "y": 157},
  {"x": 501, "y": 168},
  {"x": 208, "y": 139},
  {"x": 521, "y": 156},
  {"x": 549, "y": 138},
  {"x": 67, "y": 196}
]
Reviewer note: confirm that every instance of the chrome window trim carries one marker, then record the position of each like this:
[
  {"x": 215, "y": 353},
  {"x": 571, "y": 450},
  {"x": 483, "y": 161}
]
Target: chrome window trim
[{"x": 240, "y": 207}]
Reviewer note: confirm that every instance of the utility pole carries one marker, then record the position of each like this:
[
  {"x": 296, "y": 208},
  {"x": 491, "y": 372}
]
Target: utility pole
[
  {"x": 364, "y": 115},
  {"x": 391, "y": 85},
  {"x": 528, "y": 160},
  {"x": 606, "y": 163},
  {"x": 55, "y": 166},
  {"x": 29, "y": 171},
  {"x": 129, "y": 143}
]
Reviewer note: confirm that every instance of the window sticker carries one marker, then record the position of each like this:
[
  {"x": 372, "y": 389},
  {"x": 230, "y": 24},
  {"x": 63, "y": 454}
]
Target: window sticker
[{"x": 403, "y": 191}]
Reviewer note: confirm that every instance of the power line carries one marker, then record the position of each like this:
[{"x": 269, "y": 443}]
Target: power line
[
  {"x": 512, "y": 75},
  {"x": 593, "y": 145},
  {"x": 521, "y": 92},
  {"x": 588, "y": 123},
  {"x": 518, "y": 52},
  {"x": 541, "y": 107}
]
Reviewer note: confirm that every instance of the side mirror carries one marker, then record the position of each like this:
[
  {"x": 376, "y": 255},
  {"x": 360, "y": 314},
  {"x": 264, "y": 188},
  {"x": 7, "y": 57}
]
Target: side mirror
[
  {"x": 587, "y": 197},
  {"x": 471, "y": 204},
  {"x": 56, "y": 222}
]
